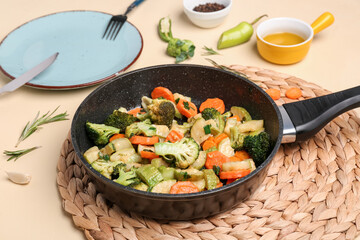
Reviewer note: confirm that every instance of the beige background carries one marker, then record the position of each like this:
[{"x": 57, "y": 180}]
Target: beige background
[{"x": 34, "y": 211}]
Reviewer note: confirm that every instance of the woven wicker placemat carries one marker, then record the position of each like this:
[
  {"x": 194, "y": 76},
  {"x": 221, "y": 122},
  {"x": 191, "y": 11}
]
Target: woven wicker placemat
[{"x": 312, "y": 190}]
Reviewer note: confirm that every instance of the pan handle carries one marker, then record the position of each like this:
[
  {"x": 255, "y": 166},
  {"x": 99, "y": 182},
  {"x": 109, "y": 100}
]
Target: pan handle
[{"x": 311, "y": 115}]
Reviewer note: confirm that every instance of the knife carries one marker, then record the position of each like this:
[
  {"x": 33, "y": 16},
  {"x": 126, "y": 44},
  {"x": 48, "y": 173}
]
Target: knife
[{"x": 27, "y": 76}]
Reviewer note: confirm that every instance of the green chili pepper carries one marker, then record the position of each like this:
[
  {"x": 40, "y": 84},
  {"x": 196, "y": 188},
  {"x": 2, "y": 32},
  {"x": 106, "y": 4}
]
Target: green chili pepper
[
  {"x": 164, "y": 29},
  {"x": 237, "y": 35}
]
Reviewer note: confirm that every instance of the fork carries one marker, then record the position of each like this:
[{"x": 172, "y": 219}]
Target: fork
[{"x": 116, "y": 22}]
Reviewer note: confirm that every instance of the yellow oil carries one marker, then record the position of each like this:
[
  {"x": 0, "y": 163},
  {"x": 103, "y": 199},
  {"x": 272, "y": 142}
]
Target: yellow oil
[{"x": 283, "y": 38}]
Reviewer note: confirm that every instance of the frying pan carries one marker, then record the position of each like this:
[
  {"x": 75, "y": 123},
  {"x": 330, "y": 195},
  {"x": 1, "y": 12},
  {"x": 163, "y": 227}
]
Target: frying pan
[{"x": 289, "y": 123}]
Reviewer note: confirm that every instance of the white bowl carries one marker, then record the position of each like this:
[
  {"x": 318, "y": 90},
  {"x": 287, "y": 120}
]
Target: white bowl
[{"x": 206, "y": 19}]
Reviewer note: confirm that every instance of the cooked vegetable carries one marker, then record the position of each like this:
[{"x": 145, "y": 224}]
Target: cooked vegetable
[
  {"x": 241, "y": 112},
  {"x": 183, "y": 187},
  {"x": 167, "y": 172},
  {"x": 162, "y": 92},
  {"x": 216, "y": 103},
  {"x": 215, "y": 158},
  {"x": 161, "y": 111},
  {"x": 120, "y": 120},
  {"x": 200, "y": 161},
  {"x": 140, "y": 128},
  {"x": 190, "y": 174},
  {"x": 186, "y": 157},
  {"x": 186, "y": 108},
  {"x": 182, "y": 153},
  {"x": 100, "y": 133},
  {"x": 237, "y": 35},
  {"x": 116, "y": 136},
  {"x": 144, "y": 140},
  {"x": 211, "y": 180},
  {"x": 164, "y": 186},
  {"x": 149, "y": 174},
  {"x": 126, "y": 178},
  {"x": 174, "y": 136},
  {"x": 234, "y": 174},
  {"x": 257, "y": 146}
]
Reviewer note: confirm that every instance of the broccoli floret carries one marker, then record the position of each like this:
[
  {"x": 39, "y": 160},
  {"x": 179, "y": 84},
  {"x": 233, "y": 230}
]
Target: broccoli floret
[
  {"x": 103, "y": 166},
  {"x": 120, "y": 120},
  {"x": 162, "y": 111},
  {"x": 212, "y": 113},
  {"x": 257, "y": 146},
  {"x": 236, "y": 138},
  {"x": 117, "y": 169},
  {"x": 182, "y": 128},
  {"x": 127, "y": 178},
  {"x": 141, "y": 128},
  {"x": 180, "y": 49},
  {"x": 100, "y": 133},
  {"x": 182, "y": 153}
]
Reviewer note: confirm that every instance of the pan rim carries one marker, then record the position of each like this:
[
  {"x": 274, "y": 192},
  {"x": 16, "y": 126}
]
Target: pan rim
[{"x": 187, "y": 196}]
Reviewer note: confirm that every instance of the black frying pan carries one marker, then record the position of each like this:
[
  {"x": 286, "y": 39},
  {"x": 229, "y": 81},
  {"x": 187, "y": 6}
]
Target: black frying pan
[{"x": 292, "y": 122}]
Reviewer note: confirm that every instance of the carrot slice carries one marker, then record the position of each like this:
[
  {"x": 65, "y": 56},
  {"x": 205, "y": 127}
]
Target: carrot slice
[
  {"x": 144, "y": 140},
  {"x": 220, "y": 184},
  {"x": 273, "y": 93},
  {"x": 216, "y": 103},
  {"x": 215, "y": 158},
  {"x": 236, "y": 117},
  {"x": 135, "y": 111},
  {"x": 174, "y": 136},
  {"x": 293, "y": 93},
  {"x": 183, "y": 187},
  {"x": 230, "y": 180},
  {"x": 208, "y": 143},
  {"x": 116, "y": 136},
  {"x": 234, "y": 159},
  {"x": 162, "y": 92},
  {"x": 242, "y": 155},
  {"x": 219, "y": 138},
  {"x": 148, "y": 155},
  {"x": 234, "y": 174},
  {"x": 186, "y": 108}
]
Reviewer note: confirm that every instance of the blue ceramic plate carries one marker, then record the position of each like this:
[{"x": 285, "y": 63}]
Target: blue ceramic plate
[{"x": 85, "y": 59}]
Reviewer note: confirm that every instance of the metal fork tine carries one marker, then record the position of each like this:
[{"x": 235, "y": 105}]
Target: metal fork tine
[
  {"x": 113, "y": 24},
  {"x": 116, "y": 31},
  {"x": 107, "y": 27}
]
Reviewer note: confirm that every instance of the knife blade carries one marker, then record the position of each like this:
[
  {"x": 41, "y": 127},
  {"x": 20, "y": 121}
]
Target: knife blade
[{"x": 27, "y": 76}]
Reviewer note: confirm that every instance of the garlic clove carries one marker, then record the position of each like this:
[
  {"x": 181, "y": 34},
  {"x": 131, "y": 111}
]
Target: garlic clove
[{"x": 19, "y": 178}]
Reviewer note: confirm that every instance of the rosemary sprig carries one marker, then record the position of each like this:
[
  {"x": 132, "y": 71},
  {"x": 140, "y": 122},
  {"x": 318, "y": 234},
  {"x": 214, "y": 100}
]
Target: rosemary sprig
[
  {"x": 209, "y": 51},
  {"x": 226, "y": 68},
  {"x": 30, "y": 128},
  {"x": 18, "y": 153}
]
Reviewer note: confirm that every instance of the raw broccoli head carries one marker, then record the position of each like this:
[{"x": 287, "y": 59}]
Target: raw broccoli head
[
  {"x": 100, "y": 133},
  {"x": 120, "y": 120},
  {"x": 162, "y": 111},
  {"x": 182, "y": 153},
  {"x": 257, "y": 146},
  {"x": 127, "y": 178},
  {"x": 210, "y": 113},
  {"x": 180, "y": 49},
  {"x": 140, "y": 128}
]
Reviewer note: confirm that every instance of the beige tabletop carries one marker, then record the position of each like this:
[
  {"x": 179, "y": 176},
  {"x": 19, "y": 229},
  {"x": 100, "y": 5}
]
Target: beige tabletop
[{"x": 34, "y": 211}]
